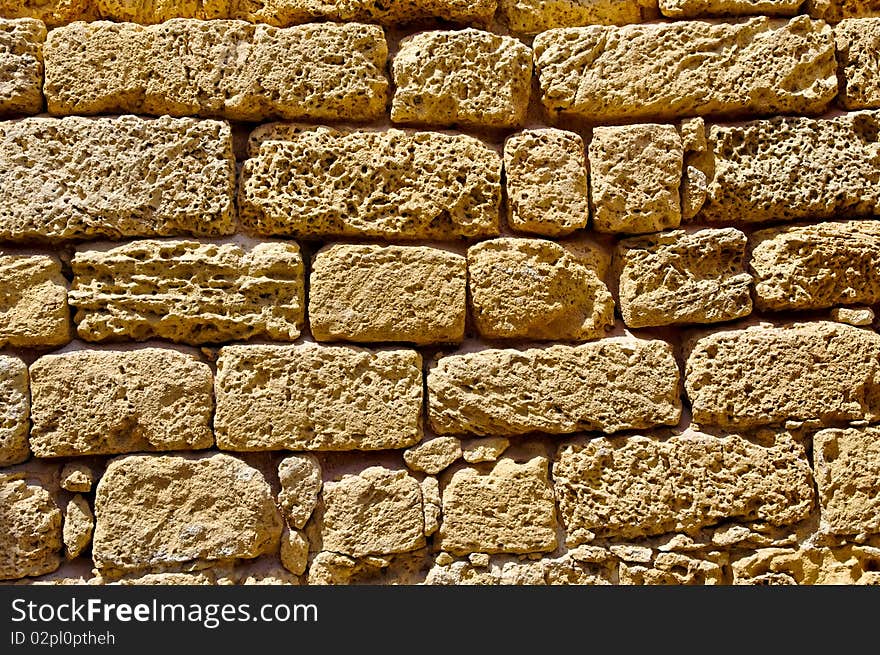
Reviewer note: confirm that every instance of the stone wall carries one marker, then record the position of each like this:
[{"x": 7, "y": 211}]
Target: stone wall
[{"x": 444, "y": 292}]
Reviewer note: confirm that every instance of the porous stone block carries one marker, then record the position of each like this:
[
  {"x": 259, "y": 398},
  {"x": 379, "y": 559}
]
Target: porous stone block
[
  {"x": 21, "y": 65},
  {"x": 158, "y": 11},
  {"x": 14, "y": 411},
  {"x": 834, "y": 11},
  {"x": 726, "y": 8},
  {"x": 79, "y": 524},
  {"x": 434, "y": 455},
  {"x": 287, "y": 12},
  {"x": 858, "y": 61},
  {"x": 31, "y": 538},
  {"x": 34, "y": 301},
  {"x": 300, "y": 477},
  {"x": 51, "y": 12},
  {"x": 535, "y": 16}
]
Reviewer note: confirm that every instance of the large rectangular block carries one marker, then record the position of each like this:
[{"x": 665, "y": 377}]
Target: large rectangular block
[
  {"x": 535, "y": 16},
  {"x": 619, "y": 383},
  {"x": 816, "y": 266},
  {"x": 103, "y": 402},
  {"x": 367, "y": 293},
  {"x": 14, "y": 411},
  {"x": 189, "y": 291},
  {"x": 33, "y": 305},
  {"x": 765, "y": 375},
  {"x": 222, "y": 68},
  {"x": 757, "y": 66},
  {"x": 626, "y": 487},
  {"x": 287, "y": 12},
  {"x": 312, "y": 397},
  {"x": 390, "y": 184},
  {"x": 51, "y": 12},
  {"x": 21, "y": 66},
  {"x": 727, "y": 8},
  {"x": 858, "y": 61},
  {"x": 78, "y": 178},
  {"x": 786, "y": 169}
]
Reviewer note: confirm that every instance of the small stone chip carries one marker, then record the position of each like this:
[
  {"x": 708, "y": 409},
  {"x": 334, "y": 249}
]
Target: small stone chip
[
  {"x": 434, "y": 455},
  {"x": 484, "y": 450},
  {"x": 77, "y": 477},
  {"x": 300, "y": 477},
  {"x": 78, "y": 526},
  {"x": 294, "y": 551}
]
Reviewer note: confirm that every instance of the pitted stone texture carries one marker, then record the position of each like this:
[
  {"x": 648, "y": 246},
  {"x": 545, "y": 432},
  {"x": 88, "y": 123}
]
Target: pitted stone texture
[
  {"x": 158, "y": 11},
  {"x": 14, "y": 411},
  {"x": 300, "y": 477},
  {"x": 547, "y": 191},
  {"x": 689, "y": 68},
  {"x": 635, "y": 173},
  {"x": 509, "y": 509},
  {"x": 535, "y": 16},
  {"x": 182, "y": 512},
  {"x": 484, "y": 450},
  {"x": 679, "y": 277},
  {"x": 620, "y": 383},
  {"x": 77, "y": 477},
  {"x": 705, "y": 8},
  {"x": 369, "y": 293},
  {"x": 313, "y": 397},
  {"x": 860, "y": 316},
  {"x": 847, "y": 465},
  {"x": 77, "y": 178},
  {"x": 390, "y": 184},
  {"x": 377, "y": 512},
  {"x": 31, "y": 539},
  {"x": 837, "y": 10},
  {"x": 33, "y": 302},
  {"x": 79, "y": 523},
  {"x": 467, "y": 77},
  {"x": 103, "y": 402},
  {"x": 816, "y": 266},
  {"x": 21, "y": 65},
  {"x": 537, "y": 289},
  {"x": 764, "y": 375},
  {"x": 431, "y": 504},
  {"x": 847, "y": 565},
  {"x": 294, "y": 551},
  {"x": 220, "y": 68},
  {"x": 190, "y": 292},
  {"x": 287, "y": 12},
  {"x": 786, "y": 169},
  {"x": 627, "y": 487},
  {"x": 675, "y": 569},
  {"x": 434, "y": 455},
  {"x": 51, "y": 12},
  {"x": 858, "y": 61}
]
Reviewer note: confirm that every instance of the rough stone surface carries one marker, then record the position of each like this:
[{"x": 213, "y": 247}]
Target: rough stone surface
[
  {"x": 34, "y": 301},
  {"x": 431, "y": 505},
  {"x": 635, "y": 486},
  {"x": 164, "y": 513},
  {"x": 286, "y": 12},
  {"x": 765, "y": 375},
  {"x": 79, "y": 523},
  {"x": 376, "y": 512},
  {"x": 467, "y": 77},
  {"x": 102, "y": 402},
  {"x": 484, "y": 450},
  {"x": 847, "y": 565},
  {"x": 14, "y": 411},
  {"x": 51, "y": 12},
  {"x": 77, "y": 477},
  {"x": 680, "y": 277},
  {"x": 77, "y": 178},
  {"x": 537, "y": 289},
  {"x": 434, "y": 455},
  {"x": 837, "y": 10},
  {"x": 786, "y": 169},
  {"x": 688, "y": 68},
  {"x": 547, "y": 190},
  {"x": 725, "y": 8},
  {"x": 369, "y": 293},
  {"x": 535, "y": 16},
  {"x": 158, "y": 11},
  {"x": 858, "y": 62},
  {"x": 21, "y": 65},
  {"x": 300, "y": 477},
  {"x": 508, "y": 509},
  {"x": 294, "y": 551},
  {"x": 859, "y": 316},
  {"x": 391, "y": 184},
  {"x": 317, "y": 398},
  {"x": 620, "y": 383},
  {"x": 635, "y": 174},
  {"x": 31, "y": 539},
  {"x": 228, "y": 69},
  {"x": 189, "y": 291},
  {"x": 847, "y": 465},
  {"x": 675, "y": 569},
  {"x": 816, "y": 266}
]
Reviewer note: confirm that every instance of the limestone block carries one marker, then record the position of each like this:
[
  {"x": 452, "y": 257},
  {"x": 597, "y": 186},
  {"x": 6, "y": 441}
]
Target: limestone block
[
  {"x": 31, "y": 539},
  {"x": 390, "y": 184},
  {"x": 434, "y": 455},
  {"x": 371, "y": 293},
  {"x": 765, "y": 375},
  {"x": 466, "y": 77},
  {"x": 300, "y": 477},
  {"x": 312, "y": 397},
  {"x": 34, "y": 301},
  {"x": 219, "y": 68},
  {"x": 158, "y": 11},
  {"x": 858, "y": 61},
  {"x": 537, "y": 289},
  {"x": 51, "y": 12},
  {"x": 665, "y": 71},
  {"x": 837, "y": 10},
  {"x": 102, "y": 402},
  {"x": 620, "y": 383},
  {"x": 79, "y": 523},
  {"x": 535, "y": 16},
  {"x": 14, "y": 411},
  {"x": 294, "y": 551},
  {"x": 77, "y": 477},
  {"x": 78, "y": 178},
  {"x": 484, "y": 450},
  {"x": 21, "y": 65},
  {"x": 287, "y": 12},
  {"x": 809, "y": 565},
  {"x": 680, "y": 277},
  {"x": 701, "y": 8}
]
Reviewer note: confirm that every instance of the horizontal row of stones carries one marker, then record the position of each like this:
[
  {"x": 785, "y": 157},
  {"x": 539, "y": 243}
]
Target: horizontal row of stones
[
  {"x": 315, "y": 397},
  {"x": 329, "y": 71},
  {"x": 161, "y": 512},
  {"x": 80, "y": 178}
]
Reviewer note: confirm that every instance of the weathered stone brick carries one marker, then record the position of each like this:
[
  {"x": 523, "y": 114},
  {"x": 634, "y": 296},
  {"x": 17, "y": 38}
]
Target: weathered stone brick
[
  {"x": 158, "y": 11},
  {"x": 300, "y": 477},
  {"x": 676, "y": 569},
  {"x": 680, "y": 277},
  {"x": 466, "y": 77},
  {"x": 535, "y": 16},
  {"x": 809, "y": 565},
  {"x": 636, "y": 486},
  {"x": 670, "y": 70},
  {"x": 391, "y": 184},
  {"x": 433, "y": 455},
  {"x": 79, "y": 524},
  {"x": 31, "y": 540},
  {"x": 77, "y": 178},
  {"x": 509, "y": 509},
  {"x": 858, "y": 61},
  {"x": 370, "y": 293},
  {"x": 725, "y": 8},
  {"x": 546, "y": 173},
  {"x": 837, "y": 10},
  {"x": 816, "y": 266},
  {"x": 14, "y": 411},
  {"x": 178, "y": 512},
  {"x": 613, "y": 384},
  {"x": 536, "y": 289},
  {"x": 51, "y": 12},
  {"x": 312, "y": 397},
  {"x": 228, "y": 69},
  {"x": 766, "y": 375},
  {"x": 34, "y": 301},
  {"x": 189, "y": 291},
  {"x": 102, "y": 402},
  {"x": 21, "y": 66},
  {"x": 287, "y": 12}
]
